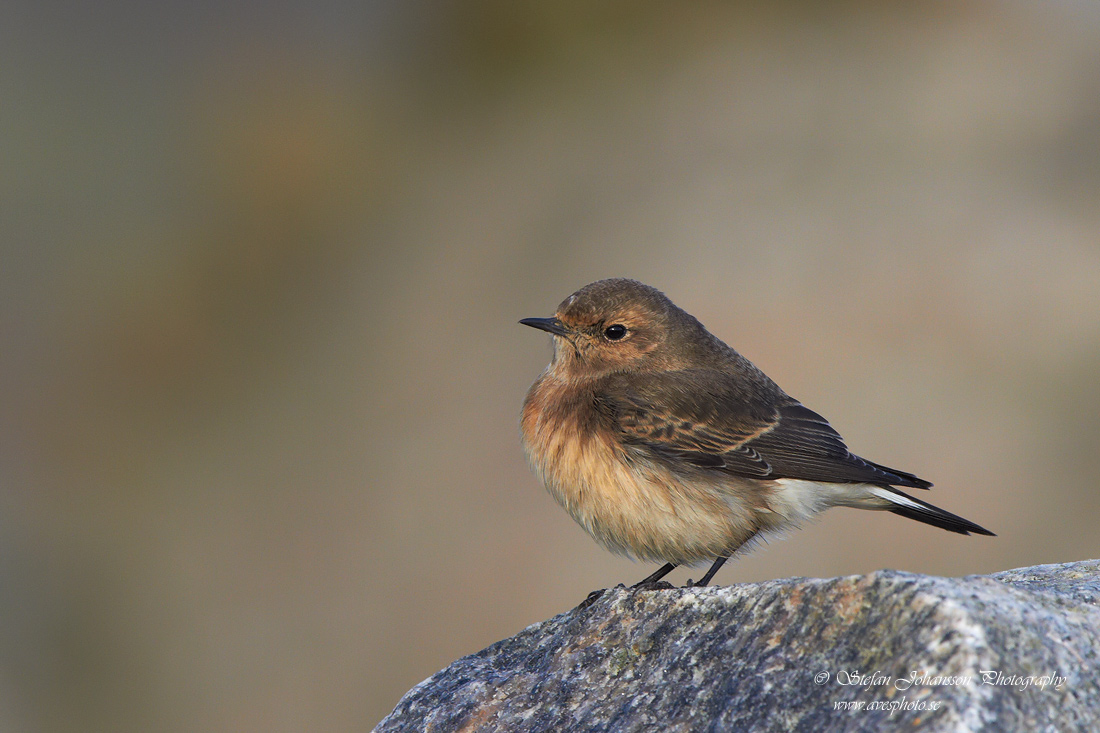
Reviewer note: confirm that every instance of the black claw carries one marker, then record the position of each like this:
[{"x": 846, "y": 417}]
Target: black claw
[{"x": 592, "y": 598}]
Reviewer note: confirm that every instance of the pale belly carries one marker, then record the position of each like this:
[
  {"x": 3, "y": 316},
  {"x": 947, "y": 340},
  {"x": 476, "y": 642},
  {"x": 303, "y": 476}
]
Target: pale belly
[{"x": 634, "y": 507}]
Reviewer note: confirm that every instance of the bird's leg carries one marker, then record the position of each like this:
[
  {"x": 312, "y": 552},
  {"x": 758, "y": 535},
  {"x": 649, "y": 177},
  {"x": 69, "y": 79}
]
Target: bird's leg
[
  {"x": 719, "y": 562},
  {"x": 653, "y": 582}
]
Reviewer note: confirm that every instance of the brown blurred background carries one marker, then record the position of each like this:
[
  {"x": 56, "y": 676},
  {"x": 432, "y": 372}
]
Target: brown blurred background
[{"x": 262, "y": 266}]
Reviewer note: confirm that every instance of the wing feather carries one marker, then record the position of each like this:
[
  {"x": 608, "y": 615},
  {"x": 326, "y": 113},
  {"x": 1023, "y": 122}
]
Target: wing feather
[{"x": 705, "y": 419}]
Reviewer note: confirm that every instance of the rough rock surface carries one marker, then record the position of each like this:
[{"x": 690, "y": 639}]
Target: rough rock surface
[{"x": 1013, "y": 651}]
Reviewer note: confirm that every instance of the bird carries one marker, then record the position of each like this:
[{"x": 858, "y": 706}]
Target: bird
[{"x": 667, "y": 445}]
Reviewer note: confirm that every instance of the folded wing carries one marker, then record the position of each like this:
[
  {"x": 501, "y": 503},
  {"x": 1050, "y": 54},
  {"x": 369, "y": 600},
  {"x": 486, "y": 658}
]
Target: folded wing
[{"x": 706, "y": 420}]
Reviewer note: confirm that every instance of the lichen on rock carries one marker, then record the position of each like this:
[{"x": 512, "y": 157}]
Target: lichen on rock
[{"x": 1016, "y": 650}]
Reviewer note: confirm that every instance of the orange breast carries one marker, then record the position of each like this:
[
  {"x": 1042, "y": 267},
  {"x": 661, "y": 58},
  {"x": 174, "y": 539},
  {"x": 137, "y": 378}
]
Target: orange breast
[{"x": 629, "y": 505}]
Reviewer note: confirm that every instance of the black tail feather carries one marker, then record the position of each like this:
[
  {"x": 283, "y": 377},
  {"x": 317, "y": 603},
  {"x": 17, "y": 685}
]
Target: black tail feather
[{"x": 922, "y": 511}]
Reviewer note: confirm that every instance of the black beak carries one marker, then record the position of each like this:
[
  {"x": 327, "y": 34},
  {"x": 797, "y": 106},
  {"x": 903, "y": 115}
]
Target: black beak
[{"x": 552, "y": 325}]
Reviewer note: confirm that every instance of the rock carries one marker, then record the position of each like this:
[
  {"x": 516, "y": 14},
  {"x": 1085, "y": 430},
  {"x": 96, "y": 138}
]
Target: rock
[{"x": 1012, "y": 651}]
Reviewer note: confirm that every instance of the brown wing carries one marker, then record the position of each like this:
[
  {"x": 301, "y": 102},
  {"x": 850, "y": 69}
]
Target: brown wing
[{"x": 705, "y": 419}]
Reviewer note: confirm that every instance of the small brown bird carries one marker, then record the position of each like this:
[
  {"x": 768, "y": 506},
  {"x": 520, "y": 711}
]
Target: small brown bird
[{"x": 667, "y": 445}]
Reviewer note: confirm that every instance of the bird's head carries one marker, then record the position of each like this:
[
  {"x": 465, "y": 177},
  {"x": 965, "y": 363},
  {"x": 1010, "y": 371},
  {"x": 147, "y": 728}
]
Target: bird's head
[{"x": 619, "y": 325}]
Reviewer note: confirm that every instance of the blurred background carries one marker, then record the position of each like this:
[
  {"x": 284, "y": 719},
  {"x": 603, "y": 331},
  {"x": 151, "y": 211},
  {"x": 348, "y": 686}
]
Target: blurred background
[{"x": 260, "y": 372}]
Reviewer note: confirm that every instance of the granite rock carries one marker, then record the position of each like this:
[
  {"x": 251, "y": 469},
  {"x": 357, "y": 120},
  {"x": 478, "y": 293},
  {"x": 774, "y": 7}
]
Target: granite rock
[{"x": 1013, "y": 651}]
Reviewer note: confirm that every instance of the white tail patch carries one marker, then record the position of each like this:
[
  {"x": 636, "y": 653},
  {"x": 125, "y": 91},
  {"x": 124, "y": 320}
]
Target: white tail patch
[
  {"x": 897, "y": 499},
  {"x": 796, "y": 500}
]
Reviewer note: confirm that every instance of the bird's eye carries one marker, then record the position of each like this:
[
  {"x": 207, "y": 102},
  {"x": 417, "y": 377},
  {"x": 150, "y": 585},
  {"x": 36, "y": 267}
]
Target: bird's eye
[{"x": 614, "y": 332}]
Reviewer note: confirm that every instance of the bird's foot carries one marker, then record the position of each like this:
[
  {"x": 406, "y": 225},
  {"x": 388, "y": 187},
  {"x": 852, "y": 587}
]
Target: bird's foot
[
  {"x": 705, "y": 580},
  {"x": 648, "y": 585},
  {"x": 592, "y": 598}
]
